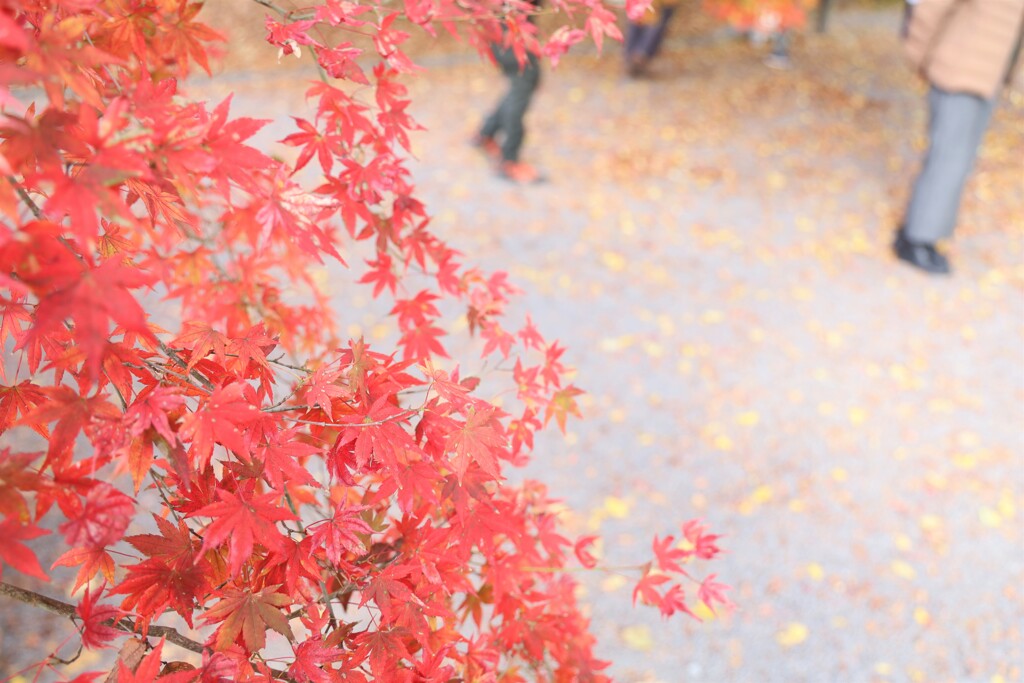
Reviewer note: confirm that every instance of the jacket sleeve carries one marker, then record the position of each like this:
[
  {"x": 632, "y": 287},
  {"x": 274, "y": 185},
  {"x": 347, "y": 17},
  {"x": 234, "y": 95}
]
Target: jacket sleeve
[{"x": 927, "y": 20}]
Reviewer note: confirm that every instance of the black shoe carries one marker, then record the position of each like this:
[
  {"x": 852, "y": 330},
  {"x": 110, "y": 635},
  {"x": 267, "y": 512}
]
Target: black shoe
[{"x": 920, "y": 255}]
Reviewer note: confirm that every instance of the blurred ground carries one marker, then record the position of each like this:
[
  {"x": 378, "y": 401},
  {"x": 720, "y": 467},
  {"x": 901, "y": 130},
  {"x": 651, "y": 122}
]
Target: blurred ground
[{"x": 712, "y": 247}]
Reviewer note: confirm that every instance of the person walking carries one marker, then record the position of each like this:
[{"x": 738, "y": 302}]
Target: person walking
[
  {"x": 504, "y": 129},
  {"x": 966, "y": 50},
  {"x": 645, "y": 36}
]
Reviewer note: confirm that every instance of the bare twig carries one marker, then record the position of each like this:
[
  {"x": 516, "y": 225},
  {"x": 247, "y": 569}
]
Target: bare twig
[
  {"x": 23, "y": 193},
  {"x": 172, "y": 354},
  {"x": 65, "y": 610}
]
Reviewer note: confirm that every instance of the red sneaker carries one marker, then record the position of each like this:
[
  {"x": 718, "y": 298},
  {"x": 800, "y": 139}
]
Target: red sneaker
[
  {"x": 519, "y": 172},
  {"x": 489, "y": 146}
]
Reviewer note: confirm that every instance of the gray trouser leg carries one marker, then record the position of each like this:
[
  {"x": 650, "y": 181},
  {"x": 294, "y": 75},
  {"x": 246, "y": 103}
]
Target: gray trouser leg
[
  {"x": 957, "y": 125},
  {"x": 508, "y": 116}
]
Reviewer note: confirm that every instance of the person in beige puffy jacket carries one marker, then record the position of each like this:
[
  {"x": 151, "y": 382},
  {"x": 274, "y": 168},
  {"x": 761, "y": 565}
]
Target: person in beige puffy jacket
[{"x": 966, "y": 50}]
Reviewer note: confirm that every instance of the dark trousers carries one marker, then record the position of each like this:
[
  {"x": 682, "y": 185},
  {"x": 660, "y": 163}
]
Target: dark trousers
[
  {"x": 644, "y": 40},
  {"x": 507, "y": 117}
]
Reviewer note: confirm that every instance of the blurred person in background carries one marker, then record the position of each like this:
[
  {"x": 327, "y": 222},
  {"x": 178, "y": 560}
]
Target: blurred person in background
[
  {"x": 503, "y": 131},
  {"x": 765, "y": 21},
  {"x": 645, "y": 36},
  {"x": 966, "y": 50}
]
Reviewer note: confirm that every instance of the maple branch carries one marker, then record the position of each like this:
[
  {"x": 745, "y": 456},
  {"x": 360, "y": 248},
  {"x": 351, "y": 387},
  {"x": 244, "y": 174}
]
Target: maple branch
[
  {"x": 69, "y": 611},
  {"x": 173, "y": 355},
  {"x": 285, "y": 409},
  {"x": 23, "y": 193},
  {"x": 278, "y": 361},
  {"x": 269, "y": 5},
  {"x": 378, "y": 423}
]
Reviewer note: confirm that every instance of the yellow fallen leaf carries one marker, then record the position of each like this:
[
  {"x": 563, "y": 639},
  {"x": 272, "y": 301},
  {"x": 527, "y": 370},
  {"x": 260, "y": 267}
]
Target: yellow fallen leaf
[
  {"x": 654, "y": 349},
  {"x": 762, "y": 494},
  {"x": 712, "y": 317},
  {"x": 839, "y": 474},
  {"x": 616, "y": 343},
  {"x": 793, "y": 634},
  {"x": 990, "y": 517},
  {"x": 802, "y": 293},
  {"x": 815, "y": 571},
  {"x": 922, "y": 617},
  {"x": 704, "y": 612},
  {"x": 722, "y": 442},
  {"x": 857, "y": 416},
  {"x": 903, "y": 569},
  {"x": 614, "y": 261},
  {"x": 638, "y": 638},
  {"x": 616, "y": 508},
  {"x": 748, "y": 418},
  {"x": 613, "y": 582},
  {"x": 1007, "y": 508}
]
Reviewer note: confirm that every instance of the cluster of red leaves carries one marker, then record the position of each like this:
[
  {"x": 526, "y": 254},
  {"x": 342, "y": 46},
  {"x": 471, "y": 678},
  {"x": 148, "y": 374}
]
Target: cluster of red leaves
[
  {"x": 314, "y": 510},
  {"x": 761, "y": 15}
]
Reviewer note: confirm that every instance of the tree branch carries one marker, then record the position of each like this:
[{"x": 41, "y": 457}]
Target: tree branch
[
  {"x": 33, "y": 207},
  {"x": 65, "y": 610}
]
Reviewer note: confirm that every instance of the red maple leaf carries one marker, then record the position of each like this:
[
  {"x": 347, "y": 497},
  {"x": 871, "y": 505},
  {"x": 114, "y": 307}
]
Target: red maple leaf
[
  {"x": 147, "y": 671},
  {"x": 17, "y": 554},
  {"x": 98, "y": 297},
  {"x": 153, "y": 585},
  {"x": 376, "y": 436},
  {"x": 73, "y": 412},
  {"x": 322, "y": 388},
  {"x": 314, "y": 142},
  {"x": 252, "y": 347},
  {"x": 247, "y": 616},
  {"x": 217, "y": 420},
  {"x": 310, "y": 656},
  {"x": 92, "y": 560},
  {"x": 384, "y": 648},
  {"x": 281, "y": 459},
  {"x": 674, "y": 601},
  {"x": 421, "y": 342},
  {"x": 381, "y": 274},
  {"x": 647, "y": 588},
  {"x": 202, "y": 339},
  {"x": 479, "y": 440},
  {"x": 17, "y": 476},
  {"x": 19, "y": 400},
  {"x": 711, "y": 592},
  {"x": 584, "y": 555},
  {"x": 602, "y": 22},
  {"x": 563, "y": 404},
  {"x": 174, "y": 543},
  {"x": 152, "y": 409},
  {"x": 340, "y": 534},
  {"x": 97, "y": 520},
  {"x": 704, "y": 545},
  {"x": 96, "y": 633},
  {"x": 242, "y": 522},
  {"x": 667, "y": 554}
]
